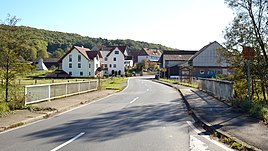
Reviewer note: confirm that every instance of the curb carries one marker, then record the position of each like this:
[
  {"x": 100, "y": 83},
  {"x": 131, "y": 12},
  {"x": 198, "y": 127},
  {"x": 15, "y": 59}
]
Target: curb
[{"x": 205, "y": 125}]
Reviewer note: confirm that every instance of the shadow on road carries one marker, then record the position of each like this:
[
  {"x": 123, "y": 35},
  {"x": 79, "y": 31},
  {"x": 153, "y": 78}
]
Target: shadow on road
[{"x": 115, "y": 124}]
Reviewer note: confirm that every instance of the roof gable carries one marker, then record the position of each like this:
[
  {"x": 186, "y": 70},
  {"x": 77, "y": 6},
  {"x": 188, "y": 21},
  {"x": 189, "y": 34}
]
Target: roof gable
[
  {"x": 81, "y": 50},
  {"x": 122, "y": 50},
  {"x": 205, "y": 48}
]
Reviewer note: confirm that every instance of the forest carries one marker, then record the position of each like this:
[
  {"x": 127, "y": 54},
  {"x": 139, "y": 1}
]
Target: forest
[{"x": 43, "y": 43}]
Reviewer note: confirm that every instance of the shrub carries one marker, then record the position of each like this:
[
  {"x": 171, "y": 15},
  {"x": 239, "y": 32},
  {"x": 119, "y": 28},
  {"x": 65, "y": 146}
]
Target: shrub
[
  {"x": 237, "y": 146},
  {"x": 3, "y": 108},
  {"x": 264, "y": 114}
]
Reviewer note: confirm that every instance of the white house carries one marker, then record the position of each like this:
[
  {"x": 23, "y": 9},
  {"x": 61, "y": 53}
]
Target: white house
[
  {"x": 114, "y": 59},
  {"x": 81, "y": 62}
]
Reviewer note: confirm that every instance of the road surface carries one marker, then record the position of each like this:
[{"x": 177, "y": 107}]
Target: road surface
[{"x": 146, "y": 116}]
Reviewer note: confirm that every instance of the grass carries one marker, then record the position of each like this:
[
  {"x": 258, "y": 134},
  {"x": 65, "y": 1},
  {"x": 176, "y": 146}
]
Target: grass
[
  {"x": 174, "y": 81},
  {"x": 115, "y": 83}
]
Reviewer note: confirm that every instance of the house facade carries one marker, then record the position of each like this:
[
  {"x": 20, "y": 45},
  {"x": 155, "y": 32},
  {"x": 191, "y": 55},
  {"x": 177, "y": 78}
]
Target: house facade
[
  {"x": 115, "y": 62},
  {"x": 172, "y": 60},
  {"x": 208, "y": 61},
  {"x": 115, "y": 59},
  {"x": 80, "y": 62}
]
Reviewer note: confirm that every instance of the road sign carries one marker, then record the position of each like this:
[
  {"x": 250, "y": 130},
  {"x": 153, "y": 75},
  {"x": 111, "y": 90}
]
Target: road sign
[
  {"x": 164, "y": 69},
  {"x": 248, "y": 52}
]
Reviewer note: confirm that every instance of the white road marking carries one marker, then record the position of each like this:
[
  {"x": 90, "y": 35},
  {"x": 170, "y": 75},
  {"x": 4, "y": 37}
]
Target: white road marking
[
  {"x": 68, "y": 142},
  {"x": 208, "y": 138},
  {"x": 197, "y": 145},
  {"x": 134, "y": 100}
]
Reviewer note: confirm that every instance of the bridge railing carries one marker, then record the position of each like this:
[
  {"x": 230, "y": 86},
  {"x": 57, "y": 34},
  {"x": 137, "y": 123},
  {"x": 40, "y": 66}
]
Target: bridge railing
[
  {"x": 44, "y": 92},
  {"x": 219, "y": 88}
]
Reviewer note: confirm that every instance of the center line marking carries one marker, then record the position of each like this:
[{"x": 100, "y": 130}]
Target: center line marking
[
  {"x": 68, "y": 142},
  {"x": 134, "y": 100}
]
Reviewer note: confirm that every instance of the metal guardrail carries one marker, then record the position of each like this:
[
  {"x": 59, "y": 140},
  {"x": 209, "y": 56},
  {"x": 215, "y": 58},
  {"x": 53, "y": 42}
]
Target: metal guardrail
[
  {"x": 220, "y": 88},
  {"x": 44, "y": 92}
]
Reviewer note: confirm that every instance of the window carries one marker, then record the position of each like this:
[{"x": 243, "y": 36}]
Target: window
[
  {"x": 114, "y": 65},
  {"x": 70, "y": 58},
  {"x": 110, "y": 65},
  {"x": 89, "y": 73},
  {"x": 105, "y": 66},
  {"x": 79, "y": 58},
  {"x": 89, "y": 65},
  {"x": 70, "y": 73},
  {"x": 116, "y": 52},
  {"x": 105, "y": 59},
  {"x": 70, "y": 65},
  {"x": 202, "y": 72},
  {"x": 114, "y": 59},
  {"x": 81, "y": 73},
  {"x": 79, "y": 65}
]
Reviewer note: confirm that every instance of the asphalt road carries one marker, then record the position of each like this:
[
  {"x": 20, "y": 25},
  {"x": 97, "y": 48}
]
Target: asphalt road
[{"x": 146, "y": 116}]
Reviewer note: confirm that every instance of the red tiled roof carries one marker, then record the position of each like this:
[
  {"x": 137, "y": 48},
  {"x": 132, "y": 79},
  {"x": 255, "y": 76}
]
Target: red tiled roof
[
  {"x": 151, "y": 52},
  {"x": 86, "y": 52},
  {"x": 92, "y": 54},
  {"x": 83, "y": 51}
]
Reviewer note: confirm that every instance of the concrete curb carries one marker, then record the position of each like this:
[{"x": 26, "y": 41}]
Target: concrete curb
[{"x": 207, "y": 126}]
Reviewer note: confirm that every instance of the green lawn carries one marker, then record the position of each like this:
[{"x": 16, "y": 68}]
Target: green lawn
[{"x": 118, "y": 83}]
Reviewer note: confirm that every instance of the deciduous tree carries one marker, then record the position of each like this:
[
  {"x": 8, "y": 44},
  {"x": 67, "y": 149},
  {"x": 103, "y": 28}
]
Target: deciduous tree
[
  {"x": 11, "y": 64},
  {"x": 249, "y": 28}
]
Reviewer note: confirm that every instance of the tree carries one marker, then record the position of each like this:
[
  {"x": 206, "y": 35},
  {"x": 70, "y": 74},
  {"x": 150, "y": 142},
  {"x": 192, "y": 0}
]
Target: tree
[
  {"x": 145, "y": 64},
  {"x": 10, "y": 62},
  {"x": 57, "y": 53},
  {"x": 249, "y": 28}
]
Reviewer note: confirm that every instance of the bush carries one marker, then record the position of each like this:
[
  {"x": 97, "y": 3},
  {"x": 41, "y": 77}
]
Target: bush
[
  {"x": 255, "y": 110},
  {"x": 237, "y": 146},
  {"x": 3, "y": 108},
  {"x": 264, "y": 114}
]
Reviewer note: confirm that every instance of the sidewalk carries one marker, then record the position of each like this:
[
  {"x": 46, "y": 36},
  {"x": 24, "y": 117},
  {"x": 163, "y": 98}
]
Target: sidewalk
[
  {"x": 224, "y": 118},
  {"x": 21, "y": 117}
]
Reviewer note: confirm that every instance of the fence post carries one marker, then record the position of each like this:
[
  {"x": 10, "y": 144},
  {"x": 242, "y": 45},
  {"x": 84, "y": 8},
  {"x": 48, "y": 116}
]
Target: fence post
[
  {"x": 79, "y": 87},
  {"x": 66, "y": 89},
  {"x": 25, "y": 95},
  {"x": 49, "y": 89}
]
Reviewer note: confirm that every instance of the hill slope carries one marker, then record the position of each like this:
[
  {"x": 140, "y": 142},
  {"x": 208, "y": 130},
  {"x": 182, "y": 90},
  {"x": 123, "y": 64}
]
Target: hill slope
[{"x": 40, "y": 41}]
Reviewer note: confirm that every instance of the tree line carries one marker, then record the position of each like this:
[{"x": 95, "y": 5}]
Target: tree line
[{"x": 44, "y": 43}]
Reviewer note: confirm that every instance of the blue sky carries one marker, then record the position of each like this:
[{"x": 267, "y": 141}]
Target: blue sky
[{"x": 182, "y": 24}]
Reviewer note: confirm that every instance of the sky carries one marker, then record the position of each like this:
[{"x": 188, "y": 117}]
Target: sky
[{"x": 181, "y": 24}]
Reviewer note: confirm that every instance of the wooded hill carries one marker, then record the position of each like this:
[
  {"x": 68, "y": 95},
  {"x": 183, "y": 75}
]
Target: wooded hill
[{"x": 43, "y": 43}]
